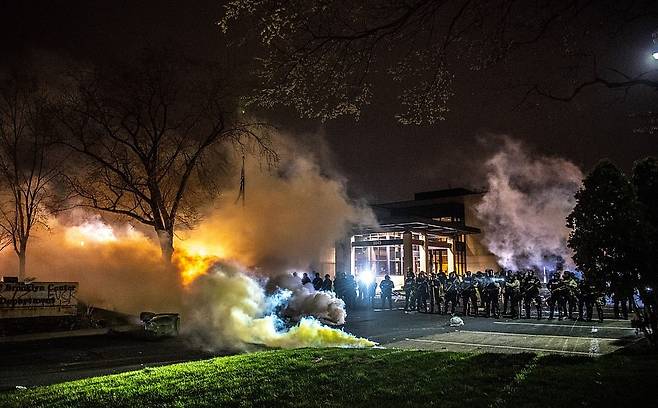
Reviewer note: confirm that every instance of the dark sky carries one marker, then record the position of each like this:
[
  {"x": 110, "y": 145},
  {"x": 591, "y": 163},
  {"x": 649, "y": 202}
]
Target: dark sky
[{"x": 381, "y": 159}]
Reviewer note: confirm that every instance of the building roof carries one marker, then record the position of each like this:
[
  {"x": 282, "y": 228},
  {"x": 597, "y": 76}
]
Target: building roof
[
  {"x": 430, "y": 197},
  {"x": 449, "y": 192},
  {"x": 424, "y": 212},
  {"x": 418, "y": 224}
]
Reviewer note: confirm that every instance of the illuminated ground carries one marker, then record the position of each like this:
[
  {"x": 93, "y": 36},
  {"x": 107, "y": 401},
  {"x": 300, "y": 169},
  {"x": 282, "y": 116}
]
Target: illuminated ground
[
  {"x": 431, "y": 332},
  {"x": 365, "y": 378}
]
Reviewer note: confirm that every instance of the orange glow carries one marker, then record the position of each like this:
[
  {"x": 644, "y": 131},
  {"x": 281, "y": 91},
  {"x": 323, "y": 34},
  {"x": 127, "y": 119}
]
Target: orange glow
[
  {"x": 95, "y": 231},
  {"x": 193, "y": 259}
]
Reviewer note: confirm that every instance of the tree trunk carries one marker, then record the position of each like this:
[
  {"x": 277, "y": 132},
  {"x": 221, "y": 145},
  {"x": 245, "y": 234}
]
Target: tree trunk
[
  {"x": 21, "y": 263},
  {"x": 166, "y": 239}
]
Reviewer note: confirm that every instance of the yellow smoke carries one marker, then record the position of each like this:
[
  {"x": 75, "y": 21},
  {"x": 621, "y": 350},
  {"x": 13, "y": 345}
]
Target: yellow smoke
[{"x": 229, "y": 310}]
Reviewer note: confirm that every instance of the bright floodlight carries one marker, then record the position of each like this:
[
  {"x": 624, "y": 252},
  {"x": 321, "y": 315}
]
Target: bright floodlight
[
  {"x": 655, "y": 55},
  {"x": 367, "y": 276}
]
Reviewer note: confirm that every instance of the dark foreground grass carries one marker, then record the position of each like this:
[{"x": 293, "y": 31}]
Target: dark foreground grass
[{"x": 365, "y": 378}]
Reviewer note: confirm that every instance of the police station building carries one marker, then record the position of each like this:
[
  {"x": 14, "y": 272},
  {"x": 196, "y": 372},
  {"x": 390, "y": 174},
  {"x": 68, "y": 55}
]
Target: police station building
[{"x": 435, "y": 232}]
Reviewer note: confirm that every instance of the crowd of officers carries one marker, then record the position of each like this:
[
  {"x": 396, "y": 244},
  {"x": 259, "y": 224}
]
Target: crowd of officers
[{"x": 518, "y": 292}]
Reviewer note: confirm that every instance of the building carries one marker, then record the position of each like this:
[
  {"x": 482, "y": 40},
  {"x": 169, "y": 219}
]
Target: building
[{"x": 437, "y": 231}]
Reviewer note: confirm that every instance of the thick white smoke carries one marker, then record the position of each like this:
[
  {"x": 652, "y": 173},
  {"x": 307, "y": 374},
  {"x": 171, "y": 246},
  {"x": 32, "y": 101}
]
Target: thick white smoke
[
  {"x": 525, "y": 207},
  {"x": 228, "y": 309},
  {"x": 304, "y": 300}
]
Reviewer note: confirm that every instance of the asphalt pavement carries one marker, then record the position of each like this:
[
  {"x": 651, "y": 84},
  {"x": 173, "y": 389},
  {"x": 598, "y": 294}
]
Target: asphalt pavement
[
  {"x": 413, "y": 330},
  {"x": 47, "y": 361},
  {"x": 41, "y": 362}
]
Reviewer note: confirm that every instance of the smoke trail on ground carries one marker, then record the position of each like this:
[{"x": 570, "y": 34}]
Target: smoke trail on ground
[
  {"x": 525, "y": 207},
  {"x": 229, "y": 309}
]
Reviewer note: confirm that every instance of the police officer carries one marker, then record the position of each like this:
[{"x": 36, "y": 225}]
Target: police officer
[
  {"x": 339, "y": 286},
  {"x": 430, "y": 291},
  {"x": 409, "y": 288},
  {"x": 572, "y": 293},
  {"x": 362, "y": 285},
  {"x": 491, "y": 292},
  {"x": 469, "y": 294},
  {"x": 513, "y": 287},
  {"x": 622, "y": 291},
  {"x": 594, "y": 297},
  {"x": 386, "y": 286},
  {"x": 350, "y": 290},
  {"x": 480, "y": 295},
  {"x": 507, "y": 294},
  {"x": 326, "y": 283},
  {"x": 422, "y": 292},
  {"x": 305, "y": 279},
  {"x": 439, "y": 291},
  {"x": 531, "y": 287},
  {"x": 556, "y": 288},
  {"x": 317, "y": 282},
  {"x": 452, "y": 286},
  {"x": 582, "y": 295}
]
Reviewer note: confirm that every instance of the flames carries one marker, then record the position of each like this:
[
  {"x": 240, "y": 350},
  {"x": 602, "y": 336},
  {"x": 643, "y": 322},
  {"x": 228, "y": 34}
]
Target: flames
[
  {"x": 191, "y": 258},
  {"x": 193, "y": 261}
]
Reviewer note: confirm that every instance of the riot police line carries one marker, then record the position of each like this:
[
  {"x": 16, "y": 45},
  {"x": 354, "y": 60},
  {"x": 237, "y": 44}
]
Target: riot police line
[
  {"x": 512, "y": 294},
  {"x": 487, "y": 294}
]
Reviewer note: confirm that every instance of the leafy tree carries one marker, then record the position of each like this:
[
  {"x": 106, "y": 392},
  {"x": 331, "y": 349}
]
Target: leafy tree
[
  {"x": 645, "y": 180},
  {"x": 27, "y": 164},
  {"x": 148, "y": 135},
  {"x": 327, "y": 58},
  {"x": 604, "y": 226}
]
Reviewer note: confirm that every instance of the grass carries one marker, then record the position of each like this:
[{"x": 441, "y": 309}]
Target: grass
[{"x": 365, "y": 378}]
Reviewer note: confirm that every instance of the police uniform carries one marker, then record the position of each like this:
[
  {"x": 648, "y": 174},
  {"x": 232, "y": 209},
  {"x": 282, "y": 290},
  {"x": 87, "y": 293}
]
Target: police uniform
[
  {"x": 469, "y": 295},
  {"x": 386, "y": 287},
  {"x": 409, "y": 289},
  {"x": 492, "y": 290},
  {"x": 452, "y": 287},
  {"x": 513, "y": 287},
  {"x": 556, "y": 289},
  {"x": 531, "y": 295}
]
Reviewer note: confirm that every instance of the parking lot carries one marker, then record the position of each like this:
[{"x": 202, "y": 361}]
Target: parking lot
[{"x": 412, "y": 330}]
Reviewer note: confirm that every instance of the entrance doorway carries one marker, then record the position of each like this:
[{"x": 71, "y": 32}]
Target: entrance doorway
[{"x": 438, "y": 260}]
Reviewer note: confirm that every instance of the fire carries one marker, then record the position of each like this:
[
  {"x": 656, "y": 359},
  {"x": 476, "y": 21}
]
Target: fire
[
  {"x": 191, "y": 258},
  {"x": 194, "y": 258}
]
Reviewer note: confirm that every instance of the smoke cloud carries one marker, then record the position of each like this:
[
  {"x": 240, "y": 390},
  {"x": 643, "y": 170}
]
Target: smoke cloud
[
  {"x": 291, "y": 214},
  {"x": 118, "y": 267},
  {"x": 230, "y": 309},
  {"x": 232, "y": 269},
  {"x": 525, "y": 207}
]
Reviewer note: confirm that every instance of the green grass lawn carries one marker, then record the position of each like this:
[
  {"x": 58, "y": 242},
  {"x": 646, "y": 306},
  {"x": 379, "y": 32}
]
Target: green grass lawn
[{"x": 365, "y": 378}]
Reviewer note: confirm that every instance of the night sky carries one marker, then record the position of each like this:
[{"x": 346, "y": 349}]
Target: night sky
[{"x": 381, "y": 159}]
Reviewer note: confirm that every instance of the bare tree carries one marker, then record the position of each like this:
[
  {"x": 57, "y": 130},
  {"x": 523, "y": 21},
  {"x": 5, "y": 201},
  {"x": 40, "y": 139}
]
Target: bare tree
[
  {"x": 326, "y": 57},
  {"x": 148, "y": 137},
  {"x": 27, "y": 168}
]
